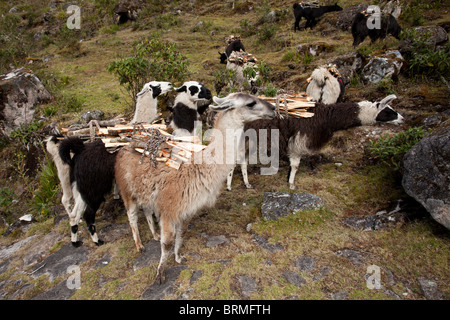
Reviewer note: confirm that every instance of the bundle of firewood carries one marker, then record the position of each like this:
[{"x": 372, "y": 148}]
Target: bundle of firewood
[
  {"x": 152, "y": 140},
  {"x": 241, "y": 57},
  {"x": 295, "y": 105}
]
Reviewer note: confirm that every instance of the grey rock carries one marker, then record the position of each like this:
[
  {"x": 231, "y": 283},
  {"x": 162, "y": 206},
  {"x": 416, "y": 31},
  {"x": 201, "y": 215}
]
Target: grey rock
[
  {"x": 430, "y": 289},
  {"x": 382, "y": 67},
  {"x": 247, "y": 285},
  {"x": 281, "y": 204},
  {"x": 92, "y": 115},
  {"x": 340, "y": 295},
  {"x": 434, "y": 35},
  {"x": 159, "y": 291},
  {"x": 214, "y": 241},
  {"x": 40, "y": 249},
  {"x": 345, "y": 17},
  {"x": 57, "y": 263},
  {"x": 305, "y": 263},
  {"x": 58, "y": 292},
  {"x": 348, "y": 64},
  {"x": 426, "y": 175},
  {"x": 4, "y": 266},
  {"x": 195, "y": 276},
  {"x": 20, "y": 92},
  {"x": 151, "y": 255},
  {"x": 10, "y": 250},
  {"x": 353, "y": 256},
  {"x": 263, "y": 243},
  {"x": 294, "y": 278}
]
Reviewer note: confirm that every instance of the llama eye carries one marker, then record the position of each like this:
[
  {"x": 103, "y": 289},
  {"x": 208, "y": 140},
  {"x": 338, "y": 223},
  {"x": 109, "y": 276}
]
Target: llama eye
[{"x": 251, "y": 104}]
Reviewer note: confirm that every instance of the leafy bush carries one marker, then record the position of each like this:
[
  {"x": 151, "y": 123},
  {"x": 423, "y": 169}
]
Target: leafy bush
[
  {"x": 46, "y": 195},
  {"x": 151, "y": 60},
  {"x": 424, "y": 58},
  {"x": 391, "y": 149},
  {"x": 6, "y": 198}
]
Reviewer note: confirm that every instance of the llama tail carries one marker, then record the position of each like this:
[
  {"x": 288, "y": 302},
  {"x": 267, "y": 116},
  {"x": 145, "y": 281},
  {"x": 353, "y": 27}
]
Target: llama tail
[{"x": 68, "y": 145}]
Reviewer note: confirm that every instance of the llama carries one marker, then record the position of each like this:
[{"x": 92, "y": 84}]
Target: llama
[
  {"x": 311, "y": 14},
  {"x": 360, "y": 30},
  {"x": 236, "y": 45},
  {"x": 63, "y": 169},
  {"x": 326, "y": 85},
  {"x": 176, "y": 195},
  {"x": 302, "y": 136},
  {"x": 146, "y": 102},
  {"x": 91, "y": 176},
  {"x": 186, "y": 118}
]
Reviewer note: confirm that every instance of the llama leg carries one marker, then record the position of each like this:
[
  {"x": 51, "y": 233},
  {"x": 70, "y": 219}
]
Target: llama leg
[
  {"x": 179, "y": 231},
  {"x": 115, "y": 190},
  {"x": 151, "y": 223},
  {"x": 89, "y": 217},
  {"x": 167, "y": 240},
  {"x": 245, "y": 175},
  {"x": 75, "y": 216},
  {"x": 133, "y": 219},
  {"x": 229, "y": 179},
  {"x": 295, "y": 161}
]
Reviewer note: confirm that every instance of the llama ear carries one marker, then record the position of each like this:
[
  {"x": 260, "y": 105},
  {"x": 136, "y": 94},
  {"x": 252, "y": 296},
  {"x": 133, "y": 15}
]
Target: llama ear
[
  {"x": 387, "y": 100},
  {"x": 144, "y": 90},
  {"x": 181, "y": 89},
  {"x": 222, "y": 103}
]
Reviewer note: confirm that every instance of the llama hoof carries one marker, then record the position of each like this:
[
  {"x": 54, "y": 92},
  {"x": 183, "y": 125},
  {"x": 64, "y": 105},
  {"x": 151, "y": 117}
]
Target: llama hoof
[
  {"x": 181, "y": 259},
  {"x": 140, "y": 248},
  {"x": 249, "y": 186},
  {"x": 292, "y": 187},
  {"x": 77, "y": 244},
  {"x": 228, "y": 188},
  {"x": 156, "y": 237},
  {"x": 99, "y": 243},
  {"x": 160, "y": 278}
]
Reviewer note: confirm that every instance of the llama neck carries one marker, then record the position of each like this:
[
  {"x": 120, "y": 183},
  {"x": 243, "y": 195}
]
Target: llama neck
[
  {"x": 184, "y": 98},
  {"x": 329, "y": 8},
  {"x": 222, "y": 149},
  {"x": 145, "y": 109}
]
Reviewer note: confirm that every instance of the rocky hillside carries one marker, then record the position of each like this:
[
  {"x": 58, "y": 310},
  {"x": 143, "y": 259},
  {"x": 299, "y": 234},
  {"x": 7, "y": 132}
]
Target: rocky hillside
[{"x": 379, "y": 233}]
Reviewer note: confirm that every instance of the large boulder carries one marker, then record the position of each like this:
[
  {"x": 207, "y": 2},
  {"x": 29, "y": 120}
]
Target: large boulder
[
  {"x": 20, "y": 92},
  {"x": 346, "y": 16},
  {"x": 384, "y": 66},
  {"x": 348, "y": 64},
  {"x": 426, "y": 175}
]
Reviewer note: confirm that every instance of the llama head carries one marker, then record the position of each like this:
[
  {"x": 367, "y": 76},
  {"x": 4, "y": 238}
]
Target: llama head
[
  {"x": 194, "y": 92},
  {"x": 371, "y": 112},
  {"x": 245, "y": 107},
  {"x": 336, "y": 7},
  {"x": 156, "y": 88},
  {"x": 223, "y": 57}
]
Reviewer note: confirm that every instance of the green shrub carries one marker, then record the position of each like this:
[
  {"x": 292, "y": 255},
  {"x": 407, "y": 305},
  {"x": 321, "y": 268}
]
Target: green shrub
[
  {"x": 425, "y": 59},
  {"x": 46, "y": 195},
  {"x": 391, "y": 149},
  {"x": 6, "y": 198},
  {"x": 153, "y": 59}
]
